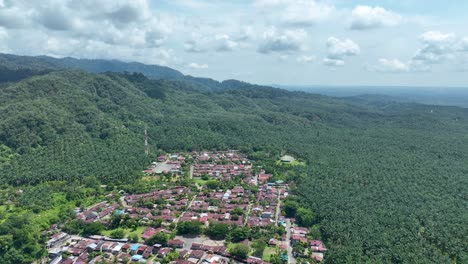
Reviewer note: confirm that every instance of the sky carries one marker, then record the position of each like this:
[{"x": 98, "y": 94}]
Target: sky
[{"x": 288, "y": 42}]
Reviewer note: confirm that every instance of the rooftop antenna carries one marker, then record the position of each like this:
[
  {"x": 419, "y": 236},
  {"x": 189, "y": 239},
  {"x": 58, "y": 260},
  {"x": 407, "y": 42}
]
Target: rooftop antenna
[{"x": 146, "y": 142}]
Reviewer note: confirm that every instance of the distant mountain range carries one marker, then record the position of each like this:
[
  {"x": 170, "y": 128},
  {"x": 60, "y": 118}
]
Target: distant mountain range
[
  {"x": 14, "y": 68},
  {"x": 451, "y": 96}
]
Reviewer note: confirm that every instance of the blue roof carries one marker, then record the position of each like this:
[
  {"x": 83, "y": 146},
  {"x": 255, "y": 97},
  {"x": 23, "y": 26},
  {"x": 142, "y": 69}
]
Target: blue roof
[
  {"x": 134, "y": 247},
  {"x": 137, "y": 257},
  {"x": 119, "y": 212}
]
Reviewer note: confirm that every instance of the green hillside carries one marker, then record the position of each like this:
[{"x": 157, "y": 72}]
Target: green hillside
[{"x": 387, "y": 181}]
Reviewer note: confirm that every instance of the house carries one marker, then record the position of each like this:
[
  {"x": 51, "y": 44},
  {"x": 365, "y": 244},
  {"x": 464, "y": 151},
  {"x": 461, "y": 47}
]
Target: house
[
  {"x": 134, "y": 248},
  {"x": 183, "y": 254},
  {"x": 163, "y": 252},
  {"x": 175, "y": 243},
  {"x": 197, "y": 254},
  {"x": 317, "y": 245},
  {"x": 274, "y": 242},
  {"x": 148, "y": 232},
  {"x": 125, "y": 248},
  {"x": 287, "y": 159},
  {"x": 255, "y": 260},
  {"x": 300, "y": 230},
  {"x": 317, "y": 256},
  {"x": 141, "y": 249},
  {"x": 183, "y": 261},
  {"x": 264, "y": 177},
  {"x": 122, "y": 256},
  {"x": 147, "y": 253},
  {"x": 267, "y": 214},
  {"x": 196, "y": 246},
  {"x": 298, "y": 238},
  {"x": 137, "y": 258}
]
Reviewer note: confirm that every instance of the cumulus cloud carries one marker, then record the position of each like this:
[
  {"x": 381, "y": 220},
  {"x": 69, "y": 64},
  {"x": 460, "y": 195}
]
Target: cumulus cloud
[
  {"x": 391, "y": 65},
  {"x": 367, "y": 17},
  {"x": 198, "y": 66},
  {"x": 194, "y": 45},
  {"x": 338, "y": 49},
  {"x": 113, "y": 28},
  {"x": 285, "y": 42},
  {"x": 437, "y": 47},
  {"x": 437, "y": 37},
  {"x": 218, "y": 43},
  {"x": 305, "y": 59},
  {"x": 225, "y": 43}
]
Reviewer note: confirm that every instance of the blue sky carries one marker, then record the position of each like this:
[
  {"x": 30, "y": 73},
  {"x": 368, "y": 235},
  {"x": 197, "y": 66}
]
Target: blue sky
[{"x": 290, "y": 42}]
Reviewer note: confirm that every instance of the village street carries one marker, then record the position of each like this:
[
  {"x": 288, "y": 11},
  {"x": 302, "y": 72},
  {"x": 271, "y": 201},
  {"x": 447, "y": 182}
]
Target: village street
[{"x": 291, "y": 259}]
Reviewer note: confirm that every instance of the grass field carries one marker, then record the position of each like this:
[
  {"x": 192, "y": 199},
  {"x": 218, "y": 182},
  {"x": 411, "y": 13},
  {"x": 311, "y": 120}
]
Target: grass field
[
  {"x": 127, "y": 231},
  {"x": 200, "y": 182},
  {"x": 267, "y": 252}
]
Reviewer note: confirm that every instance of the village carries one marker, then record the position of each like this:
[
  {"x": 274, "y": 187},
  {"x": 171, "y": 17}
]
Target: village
[{"x": 211, "y": 220}]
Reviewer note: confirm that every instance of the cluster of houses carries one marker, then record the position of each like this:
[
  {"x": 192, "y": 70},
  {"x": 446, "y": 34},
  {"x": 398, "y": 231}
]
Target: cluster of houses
[
  {"x": 166, "y": 204},
  {"x": 264, "y": 209},
  {"x": 80, "y": 251},
  {"x": 252, "y": 207},
  {"x": 99, "y": 212},
  {"x": 221, "y": 165},
  {"x": 219, "y": 206},
  {"x": 299, "y": 235},
  {"x": 219, "y": 157}
]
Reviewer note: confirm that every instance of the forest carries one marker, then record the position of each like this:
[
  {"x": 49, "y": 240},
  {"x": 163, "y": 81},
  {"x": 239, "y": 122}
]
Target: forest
[{"x": 386, "y": 180}]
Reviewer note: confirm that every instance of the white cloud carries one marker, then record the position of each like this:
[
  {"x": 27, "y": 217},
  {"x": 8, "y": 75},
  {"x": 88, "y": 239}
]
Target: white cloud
[
  {"x": 218, "y": 43},
  {"x": 288, "y": 41},
  {"x": 438, "y": 47},
  {"x": 391, "y": 65},
  {"x": 338, "y": 49},
  {"x": 333, "y": 62},
  {"x": 225, "y": 43},
  {"x": 300, "y": 13},
  {"x": 194, "y": 45},
  {"x": 306, "y": 13},
  {"x": 198, "y": 66},
  {"x": 437, "y": 37},
  {"x": 367, "y": 17},
  {"x": 305, "y": 59},
  {"x": 463, "y": 45}
]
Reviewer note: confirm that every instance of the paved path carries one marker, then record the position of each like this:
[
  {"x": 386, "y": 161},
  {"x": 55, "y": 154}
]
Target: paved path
[
  {"x": 278, "y": 206},
  {"x": 291, "y": 259}
]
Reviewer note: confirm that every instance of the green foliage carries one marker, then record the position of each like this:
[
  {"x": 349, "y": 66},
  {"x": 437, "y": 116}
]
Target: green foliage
[
  {"x": 290, "y": 208},
  {"x": 212, "y": 184},
  {"x": 94, "y": 228},
  {"x": 240, "y": 234},
  {"x": 305, "y": 217},
  {"x": 258, "y": 247},
  {"x": 158, "y": 238},
  {"x": 240, "y": 251},
  {"x": 189, "y": 228},
  {"x": 217, "y": 230},
  {"x": 19, "y": 241},
  {"x": 118, "y": 233}
]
